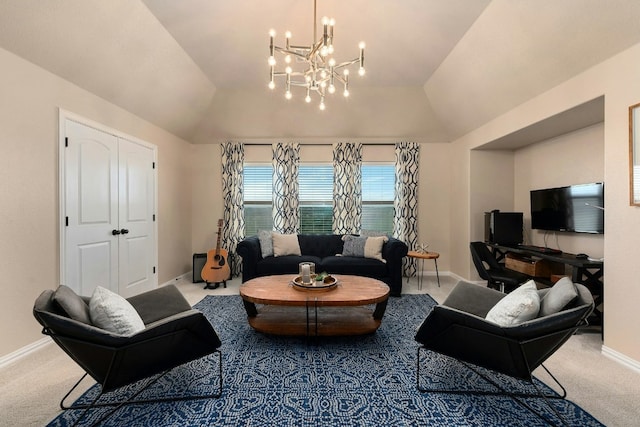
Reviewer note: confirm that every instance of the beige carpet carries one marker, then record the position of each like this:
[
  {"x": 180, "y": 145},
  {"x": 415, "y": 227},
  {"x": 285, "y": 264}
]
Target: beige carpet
[{"x": 31, "y": 388}]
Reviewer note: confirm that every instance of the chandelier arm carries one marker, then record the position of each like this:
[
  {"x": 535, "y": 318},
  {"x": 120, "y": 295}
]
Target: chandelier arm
[
  {"x": 290, "y": 52},
  {"x": 344, "y": 64}
]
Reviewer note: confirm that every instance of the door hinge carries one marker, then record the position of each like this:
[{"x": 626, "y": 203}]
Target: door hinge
[
  {"x": 66, "y": 141},
  {"x": 154, "y": 269},
  {"x": 154, "y": 217},
  {"x": 66, "y": 221},
  {"x": 153, "y": 165}
]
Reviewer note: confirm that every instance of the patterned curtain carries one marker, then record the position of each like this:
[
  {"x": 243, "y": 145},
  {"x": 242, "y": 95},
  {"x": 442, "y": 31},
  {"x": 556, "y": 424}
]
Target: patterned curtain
[
  {"x": 286, "y": 158},
  {"x": 232, "y": 194},
  {"x": 347, "y": 188},
  {"x": 405, "y": 225}
]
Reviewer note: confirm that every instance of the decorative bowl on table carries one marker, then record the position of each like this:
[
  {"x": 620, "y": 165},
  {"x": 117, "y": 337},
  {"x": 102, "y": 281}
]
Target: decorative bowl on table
[{"x": 328, "y": 282}]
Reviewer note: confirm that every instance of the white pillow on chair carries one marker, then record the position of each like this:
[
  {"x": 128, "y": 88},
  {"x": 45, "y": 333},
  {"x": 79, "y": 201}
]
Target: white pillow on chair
[
  {"x": 113, "y": 313},
  {"x": 519, "y": 306}
]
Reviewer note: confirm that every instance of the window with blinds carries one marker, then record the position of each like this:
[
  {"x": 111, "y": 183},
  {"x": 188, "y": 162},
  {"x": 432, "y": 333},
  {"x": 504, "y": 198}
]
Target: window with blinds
[
  {"x": 257, "y": 182},
  {"x": 378, "y": 192},
  {"x": 316, "y": 197}
]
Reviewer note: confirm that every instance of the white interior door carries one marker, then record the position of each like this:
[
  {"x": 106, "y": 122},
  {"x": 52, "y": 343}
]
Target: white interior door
[
  {"x": 109, "y": 232},
  {"x": 136, "y": 204},
  {"x": 91, "y": 214}
]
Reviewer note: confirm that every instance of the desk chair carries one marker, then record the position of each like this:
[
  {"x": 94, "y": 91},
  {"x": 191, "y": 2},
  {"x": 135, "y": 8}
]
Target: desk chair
[{"x": 497, "y": 276}]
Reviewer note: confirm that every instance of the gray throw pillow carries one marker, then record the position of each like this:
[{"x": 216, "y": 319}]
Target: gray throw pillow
[
  {"x": 364, "y": 247},
  {"x": 266, "y": 243},
  {"x": 72, "y": 304},
  {"x": 558, "y": 297}
]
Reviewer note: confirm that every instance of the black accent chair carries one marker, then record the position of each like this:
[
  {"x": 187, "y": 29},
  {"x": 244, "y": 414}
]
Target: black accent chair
[
  {"x": 457, "y": 328},
  {"x": 174, "y": 334},
  {"x": 497, "y": 276}
]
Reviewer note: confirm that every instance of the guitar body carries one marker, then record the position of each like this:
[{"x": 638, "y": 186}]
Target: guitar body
[{"x": 216, "y": 269}]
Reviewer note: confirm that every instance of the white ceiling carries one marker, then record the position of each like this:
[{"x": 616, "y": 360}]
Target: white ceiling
[{"x": 436, "y": 69}]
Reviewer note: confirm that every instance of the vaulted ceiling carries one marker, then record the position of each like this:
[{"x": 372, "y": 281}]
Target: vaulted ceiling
[{"x": 435, "y": 69}]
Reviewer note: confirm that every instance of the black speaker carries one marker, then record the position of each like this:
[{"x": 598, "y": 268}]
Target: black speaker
[
  {"x": 199, "y": 260},
  {"x": 503, "y": 228}
]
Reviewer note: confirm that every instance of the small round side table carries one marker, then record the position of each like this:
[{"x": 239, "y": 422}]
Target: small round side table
[{"x": 422, "y": 256}]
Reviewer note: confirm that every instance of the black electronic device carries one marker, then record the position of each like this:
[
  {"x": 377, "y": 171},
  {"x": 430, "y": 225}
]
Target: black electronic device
[
  {"x": 503, "y": 228},
  {"x": 541, "y": 249},
  {"x": 575, "y": 208},
  {"x": 582, "y": 256}
]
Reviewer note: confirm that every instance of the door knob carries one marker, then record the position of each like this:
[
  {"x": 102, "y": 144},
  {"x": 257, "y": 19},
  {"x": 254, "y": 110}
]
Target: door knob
[
  {"x": 115, "y": 232},
  {"x": 124, "y": 231}
]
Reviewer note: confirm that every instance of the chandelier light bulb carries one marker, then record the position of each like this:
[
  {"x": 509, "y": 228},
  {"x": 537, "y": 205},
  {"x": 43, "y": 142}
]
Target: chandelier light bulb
[
  {"x": 287, "y": 94},
  {"x": 272, "y": 32},
  {"x": 362, "y": 45},
  {"x": 322, "y": 107},
  {"x": 287, "y": 35},
  {"x": 272, "y": 85},
  {"x": 288, "y": 70},
  {"x": 287, "y": 59},
  {"x": 324, "y": 51},
  {"x": 346, "y": 93},
  {"x": 325, "y": 20},
  {"x": 361, "y": 72},
  {"x": 307, "y": 99},
  {"x": 332, "y": 89},
  {"x": 272, "y": 61},
  {"x": 345, "y": 72},
  {"x": 332, "y": 62}
]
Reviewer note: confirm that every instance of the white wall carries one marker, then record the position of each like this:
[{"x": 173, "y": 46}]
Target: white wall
[
  {"x": 617, "y": 80},
  {"x": 573, "y": 158},
  {"x": 29, "y": 248}
]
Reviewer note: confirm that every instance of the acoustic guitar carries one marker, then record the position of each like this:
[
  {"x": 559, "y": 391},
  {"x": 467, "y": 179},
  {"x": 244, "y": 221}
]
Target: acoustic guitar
[{"x": 216, "y": 269}]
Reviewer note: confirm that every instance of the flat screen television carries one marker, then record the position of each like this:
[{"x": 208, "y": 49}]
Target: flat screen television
[{"x": 575, "y": 208}]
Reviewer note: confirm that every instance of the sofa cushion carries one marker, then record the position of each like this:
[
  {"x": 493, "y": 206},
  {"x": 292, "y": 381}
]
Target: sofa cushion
[
  {"x": 320, "y": 245},
  {"x": 72, "y": 304},
  {"x": 285, "y": 244},
  {"x": 287, "y": 264},
  {"x": 519, "y": 306},
  {"x": 367, "y": 247},
  {"x": 354, "y": 265},
  {"x": 113, "y": 313},
  {"x": 266, "y": 243}
]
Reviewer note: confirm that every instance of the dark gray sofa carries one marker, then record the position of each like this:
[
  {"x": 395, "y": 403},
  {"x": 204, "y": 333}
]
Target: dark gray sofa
[{"x": 322, "y": 250}]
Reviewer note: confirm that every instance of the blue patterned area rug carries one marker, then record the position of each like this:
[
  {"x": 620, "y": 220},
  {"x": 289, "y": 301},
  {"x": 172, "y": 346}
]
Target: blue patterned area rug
[{"x": 353, "y": 381}]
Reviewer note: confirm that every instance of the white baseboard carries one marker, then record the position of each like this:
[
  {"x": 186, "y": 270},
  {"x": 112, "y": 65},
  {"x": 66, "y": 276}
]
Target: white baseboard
[
  {"x": 621, "y": 358},
  {"x": 172, "y": 281},
  {"x": 23, "y": 352}
]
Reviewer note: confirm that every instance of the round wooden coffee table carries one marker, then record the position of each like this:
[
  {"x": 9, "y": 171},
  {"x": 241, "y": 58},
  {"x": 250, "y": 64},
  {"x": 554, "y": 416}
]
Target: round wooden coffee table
[{"x": 288, "y": 310}]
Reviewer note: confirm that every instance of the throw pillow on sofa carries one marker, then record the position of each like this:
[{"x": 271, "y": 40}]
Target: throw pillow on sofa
[
  {"x": 285, "y": 244},
  {"x": 266, "y": 243},
  {"x": 364, "y": 247}
]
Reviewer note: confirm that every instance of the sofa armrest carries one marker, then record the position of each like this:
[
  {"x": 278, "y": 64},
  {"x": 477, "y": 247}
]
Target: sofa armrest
[
  {"x": 394, "y": 250},
  {"x": 249, "y": 250}
]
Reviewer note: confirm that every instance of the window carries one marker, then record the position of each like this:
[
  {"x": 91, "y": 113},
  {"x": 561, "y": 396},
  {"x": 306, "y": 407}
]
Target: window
[
  {"x": 316, "y": 197},
  {"x": 378, "y": 192},
  {"x": 257, "y": 181}
]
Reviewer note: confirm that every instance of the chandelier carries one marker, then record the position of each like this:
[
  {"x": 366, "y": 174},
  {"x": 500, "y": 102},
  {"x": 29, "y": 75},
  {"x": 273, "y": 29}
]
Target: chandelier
[{"x": 317, "y": 71}]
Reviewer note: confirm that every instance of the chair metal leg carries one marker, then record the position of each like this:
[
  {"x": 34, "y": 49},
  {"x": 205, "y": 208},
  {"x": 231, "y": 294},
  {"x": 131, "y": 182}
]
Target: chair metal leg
[
  {"x": 501, "y": 391},
  {"x": 132, "y": 399}
]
